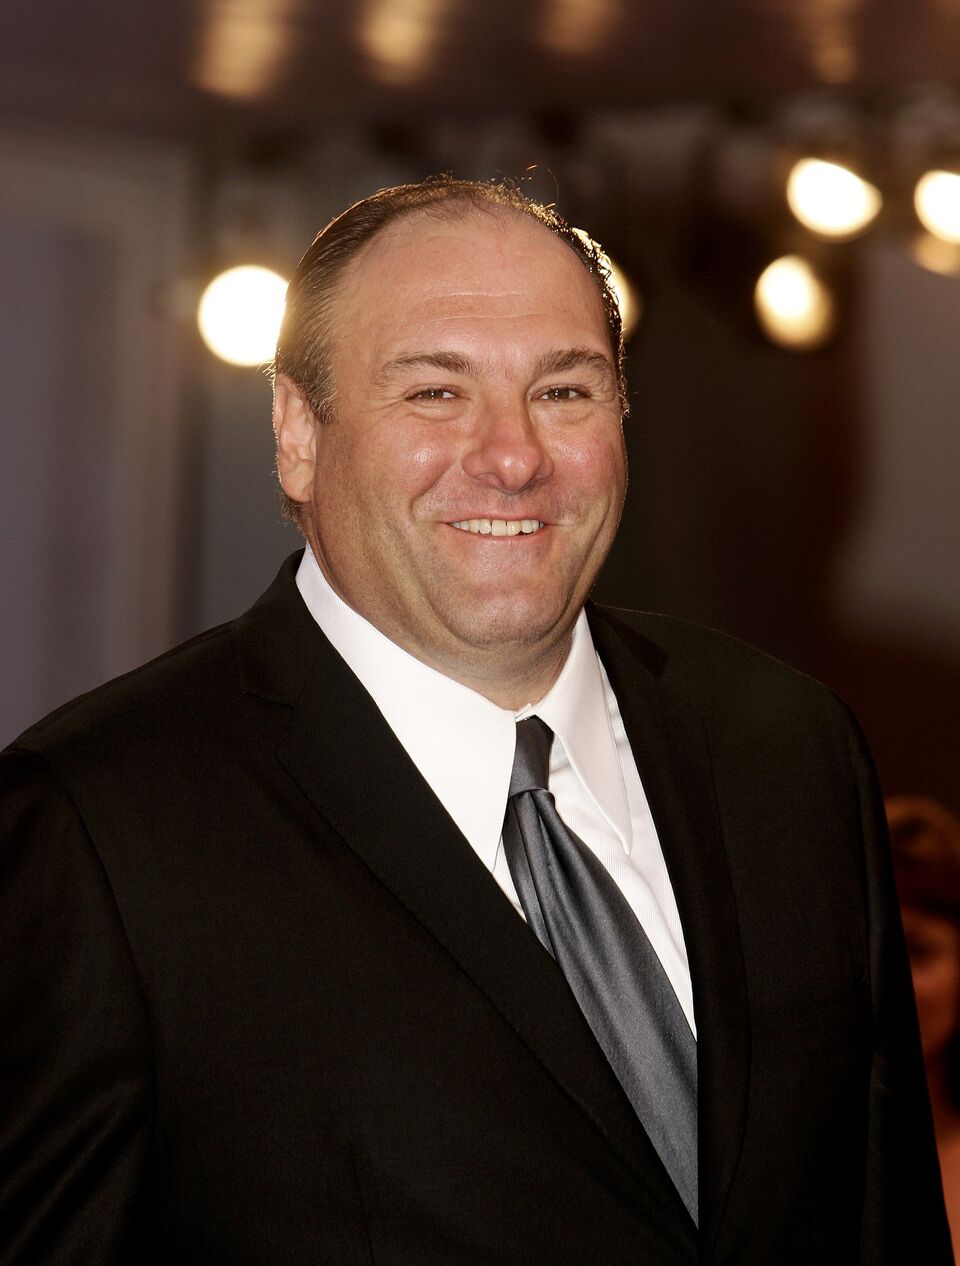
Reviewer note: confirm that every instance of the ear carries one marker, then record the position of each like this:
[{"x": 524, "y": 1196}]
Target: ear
[{"x": 295, "y": 429}]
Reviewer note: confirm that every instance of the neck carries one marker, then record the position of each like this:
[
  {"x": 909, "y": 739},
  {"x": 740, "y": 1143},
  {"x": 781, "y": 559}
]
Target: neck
[
  {"x": 506, "y": 681},
  {"x": 511, "y": 674}
]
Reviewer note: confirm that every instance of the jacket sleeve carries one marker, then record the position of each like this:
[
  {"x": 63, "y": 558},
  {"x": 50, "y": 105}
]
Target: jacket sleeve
[
  {"x": 903, "y": 1210},
  {"x": 76, "y": 1084}
]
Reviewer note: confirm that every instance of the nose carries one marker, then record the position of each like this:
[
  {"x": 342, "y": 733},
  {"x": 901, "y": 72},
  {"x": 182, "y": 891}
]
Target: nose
[{"x": 506, "y": 450}]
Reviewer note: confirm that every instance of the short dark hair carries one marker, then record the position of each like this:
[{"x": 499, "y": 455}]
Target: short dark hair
[{"x": 303, "y": 348}]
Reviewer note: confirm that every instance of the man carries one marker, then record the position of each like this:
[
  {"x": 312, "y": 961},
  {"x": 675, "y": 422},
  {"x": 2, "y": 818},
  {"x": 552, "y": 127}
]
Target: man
[{"x": 423, "y": 915}]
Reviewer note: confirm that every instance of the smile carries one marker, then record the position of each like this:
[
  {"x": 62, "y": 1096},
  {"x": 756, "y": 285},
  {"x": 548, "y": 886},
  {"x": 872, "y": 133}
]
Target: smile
[{"x": 499, "y": 527}]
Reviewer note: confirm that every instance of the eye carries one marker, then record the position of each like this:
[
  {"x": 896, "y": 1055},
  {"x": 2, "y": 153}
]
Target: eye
[
  {"x": 430, "y": 394},
  {"x": 559, "y": 394}
]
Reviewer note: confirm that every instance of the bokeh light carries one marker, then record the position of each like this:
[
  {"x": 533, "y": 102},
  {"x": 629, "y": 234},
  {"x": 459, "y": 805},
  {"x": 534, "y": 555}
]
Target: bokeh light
[
  {"x": 936, "y": 255},
  {"x": 628, "y": 299},
  {"x": 937, "y": 201},
  {"x": 830, "y": 199},
  {"x": 795, "y": 309},
  {"x": 240, "y": 314}
]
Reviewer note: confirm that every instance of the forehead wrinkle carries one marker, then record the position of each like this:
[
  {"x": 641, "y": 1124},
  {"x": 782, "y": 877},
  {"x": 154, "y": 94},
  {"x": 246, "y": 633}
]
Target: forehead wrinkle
[
  {"x": 485, "y": 294},
  {"x": 487, "y": 316}
]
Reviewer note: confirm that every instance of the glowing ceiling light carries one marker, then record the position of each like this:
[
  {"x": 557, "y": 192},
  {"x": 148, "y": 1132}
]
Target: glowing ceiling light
[
  {"x": 937, "y": 255},
  {"x": 793, "y": 306},
  {"x": 937, "y": 200},
  {"x": 400, "y": 37},
  {"x": 242, "y": 47},
  {"x": 579, "y": 28},
  {"x": 629, "y": 302},
  {"x": 830, "y": 199},
  {"x": 240, "y": 314}
]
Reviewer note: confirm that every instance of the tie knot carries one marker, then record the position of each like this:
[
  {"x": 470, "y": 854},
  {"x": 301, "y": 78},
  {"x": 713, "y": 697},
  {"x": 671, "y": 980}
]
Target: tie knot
[{"x": 531, "y": 763}]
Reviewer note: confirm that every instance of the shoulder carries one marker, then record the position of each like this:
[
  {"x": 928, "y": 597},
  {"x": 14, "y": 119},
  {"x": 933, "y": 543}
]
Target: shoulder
[
  {"x": 785, "y": 753},
  {"x": 183, "y": 699},
  {"x": 726, "y": 680},
  {"x": 166, "y": 688},
  {"x": 677, "y": 648}
]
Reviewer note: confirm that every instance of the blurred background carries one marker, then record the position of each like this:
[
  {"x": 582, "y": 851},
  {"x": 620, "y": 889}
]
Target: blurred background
[{"x": 794, "y": 441}]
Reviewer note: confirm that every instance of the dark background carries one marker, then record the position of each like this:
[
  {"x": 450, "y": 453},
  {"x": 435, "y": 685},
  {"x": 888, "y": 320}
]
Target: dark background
[{"x": 805, "y": 502}]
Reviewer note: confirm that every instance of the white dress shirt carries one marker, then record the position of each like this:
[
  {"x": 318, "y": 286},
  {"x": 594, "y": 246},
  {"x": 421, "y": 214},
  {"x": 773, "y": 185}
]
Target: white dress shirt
[{"x": 463, "y": 745}]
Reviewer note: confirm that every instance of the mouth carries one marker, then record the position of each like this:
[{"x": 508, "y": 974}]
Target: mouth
[{"x": 499, "y": 527}]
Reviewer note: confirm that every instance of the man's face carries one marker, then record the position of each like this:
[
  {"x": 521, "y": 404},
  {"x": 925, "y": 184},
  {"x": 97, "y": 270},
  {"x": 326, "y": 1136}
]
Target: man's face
[{"x": 471, "y": 481}]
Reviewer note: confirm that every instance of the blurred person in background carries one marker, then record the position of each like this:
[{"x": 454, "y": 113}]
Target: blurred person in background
[{"x": 925, "y": 839}]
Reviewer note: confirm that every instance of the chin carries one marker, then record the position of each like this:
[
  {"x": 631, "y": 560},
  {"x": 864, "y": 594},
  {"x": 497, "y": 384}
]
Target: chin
[{"x": 513, "y": 623}]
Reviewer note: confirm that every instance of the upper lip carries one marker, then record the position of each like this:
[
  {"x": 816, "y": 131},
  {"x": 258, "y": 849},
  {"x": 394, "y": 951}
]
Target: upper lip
[{"x": 487, "y": 514}]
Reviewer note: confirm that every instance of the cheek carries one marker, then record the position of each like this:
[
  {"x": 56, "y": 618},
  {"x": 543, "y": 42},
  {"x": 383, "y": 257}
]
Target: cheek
[
  {"x": 404, "y": 462},
  {"x": 596, "y": 465},
  {"x": 425, "y": 462},
  {"x": 387, "y": 470}
]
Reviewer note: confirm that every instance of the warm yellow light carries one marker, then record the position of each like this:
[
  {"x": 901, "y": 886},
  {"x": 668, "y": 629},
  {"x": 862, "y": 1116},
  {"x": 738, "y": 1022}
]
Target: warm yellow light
[
  {"x": 629, "y": 302},
  {"x": 242, "y": 46},
  {"x": 937, "y": 200},
  {"x": 936, "y": 255},
  {"x": 578, "y": 28},
  {"x": 793, "y": 306},
  {"x": 830, "y": 199},
  {"x": 400, "y": 37},
  {"x": 240, "y": 314}
]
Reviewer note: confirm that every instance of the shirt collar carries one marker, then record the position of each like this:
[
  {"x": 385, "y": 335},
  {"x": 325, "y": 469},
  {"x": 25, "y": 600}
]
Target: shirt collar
[
  {"x": 577, "y": 708},
  {"x": 461, "y": 742}
]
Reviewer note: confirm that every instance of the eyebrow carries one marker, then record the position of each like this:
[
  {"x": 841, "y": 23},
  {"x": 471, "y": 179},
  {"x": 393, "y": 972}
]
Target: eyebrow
[
  {"x": 561, "y": 361},
  {"x": 448, "y": 362}
]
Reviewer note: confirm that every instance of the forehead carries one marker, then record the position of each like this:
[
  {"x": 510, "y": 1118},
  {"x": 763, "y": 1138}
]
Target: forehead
[{"x": 476, "y": 273}]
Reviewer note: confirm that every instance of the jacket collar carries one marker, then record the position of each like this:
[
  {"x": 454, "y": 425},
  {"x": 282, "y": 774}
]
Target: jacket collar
[{"x": 670, "y": 747}]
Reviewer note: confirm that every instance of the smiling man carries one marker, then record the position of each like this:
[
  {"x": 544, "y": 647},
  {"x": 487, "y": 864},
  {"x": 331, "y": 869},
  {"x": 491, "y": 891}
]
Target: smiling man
[
  {"x": 470, "y": 481},
  {"x": 428, "y": 914}
]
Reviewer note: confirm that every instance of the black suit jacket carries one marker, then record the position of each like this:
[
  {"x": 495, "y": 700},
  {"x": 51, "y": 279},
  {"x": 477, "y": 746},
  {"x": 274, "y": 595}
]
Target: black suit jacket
[{"x": 265, "y": 1005}]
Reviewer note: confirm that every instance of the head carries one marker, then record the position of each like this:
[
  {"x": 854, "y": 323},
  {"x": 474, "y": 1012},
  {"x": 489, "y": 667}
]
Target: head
[
  {"x": 448, "y": 407},
  {"x": 925, "y": 841},
  {"x": 309, "y": 329}
]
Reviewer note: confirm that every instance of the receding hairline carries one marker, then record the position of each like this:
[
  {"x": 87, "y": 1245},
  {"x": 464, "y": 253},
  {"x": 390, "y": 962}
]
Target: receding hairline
[
  {"x": 317, "y": 282},
  {"x": 459, "y": 208},
  {"x": 455, "y": 209}
]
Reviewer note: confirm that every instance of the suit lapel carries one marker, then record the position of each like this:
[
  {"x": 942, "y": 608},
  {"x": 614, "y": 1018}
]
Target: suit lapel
[
  {"x": 670, "y": 748},
  {"x": 362, "y": 783},
  {"x": 384, "y": 810}
]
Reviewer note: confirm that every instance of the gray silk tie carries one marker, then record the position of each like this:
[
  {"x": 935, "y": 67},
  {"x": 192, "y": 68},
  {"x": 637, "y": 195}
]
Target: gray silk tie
[{"x": 583, "y": 919}]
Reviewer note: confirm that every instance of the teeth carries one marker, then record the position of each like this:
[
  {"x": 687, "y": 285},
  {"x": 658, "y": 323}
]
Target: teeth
[{"x": 499, "y": 527}]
